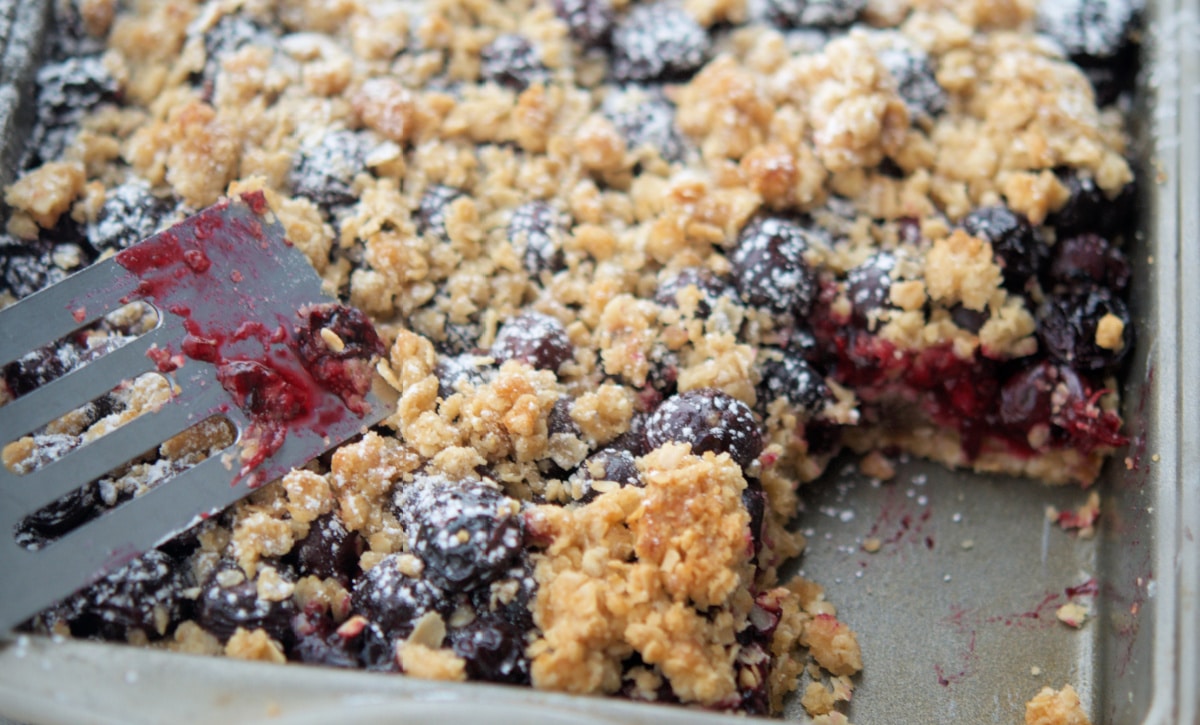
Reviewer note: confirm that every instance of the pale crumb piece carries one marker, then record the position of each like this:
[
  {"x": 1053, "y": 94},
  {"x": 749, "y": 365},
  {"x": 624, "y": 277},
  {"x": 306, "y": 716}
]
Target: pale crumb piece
[
  {"x": 833, "y": 645},
  {"x": 1082, "y": 519},
  {"x": 254, "y": 645},
  {"x": 427, "y": 663},
  {"x": 877, "y": 465},
  {"x": 1056, "y": 707},
  {"x": 1035, "y": 671},
  {"x": 968, "y": 544},
  {"x": 1072, "y": 614},
  {"x": 832, "y": 718},
  {"x": 961, "y": 268},
  {"x": 309, "y": 495},
  {"x": 271, "y": 586},
  {"x": 191, "y": 639},
  {"x": 872, "y": 544},
  {"x": 1110, "y": 332},
  {"x": 47, "y": 192}
]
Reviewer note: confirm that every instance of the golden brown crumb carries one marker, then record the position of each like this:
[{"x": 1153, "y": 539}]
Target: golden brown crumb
[{"x": 1056, "y": 707}]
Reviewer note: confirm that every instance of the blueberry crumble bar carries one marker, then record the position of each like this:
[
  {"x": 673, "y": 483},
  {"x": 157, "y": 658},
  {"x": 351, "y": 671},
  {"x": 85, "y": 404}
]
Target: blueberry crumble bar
[{"x": 640, "y": 269}]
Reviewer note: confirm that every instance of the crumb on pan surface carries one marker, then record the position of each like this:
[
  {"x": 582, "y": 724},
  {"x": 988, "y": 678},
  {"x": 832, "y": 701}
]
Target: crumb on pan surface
[{"x": 642, "y": 270}]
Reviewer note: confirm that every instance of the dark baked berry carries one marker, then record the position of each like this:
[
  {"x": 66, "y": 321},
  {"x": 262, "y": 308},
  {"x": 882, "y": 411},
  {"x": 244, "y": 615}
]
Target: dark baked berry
[
  {"x": 590, "y": 22},
  {"x": 634, "y": 439},
  {"x": 560, "y": 422},
  {"x": 144, "y": 595},
  {"x": 1026, "y": 398},
  {"x": 970, "y": 320},
  {"x": 754, "y": 498},
  {"x": 328, "y": 551},
  {"x": 658, "y": 42},
  {"x": 710, "y": 286},
  {"x": 645, "y": 118},
  {"x": 869, "y": 285},
  {"x": 318, "y": 642},
  {"x": 494, "y": 650},
  {"x": 130, "y": 213},
  {"x": 67, "y": 90},
  {"x": 535, "y": 339},
  {"x": 454, "y": 370},
  {"x": 1068, "y": 326},
  {"x": 510, "y": 597},
  {"x": 536, "y": 230},
  {"x": 1088, "y": 208},
  {"x": 38, "y": 367},
  {"x": 1089, "y": 259},
  {"x": 511, "y": 61},
  {"x": 1016, "y": 245},
  {"x": 916, "y": 82},
  {"x": 769, "y": 268},
  {"x": 338, "y": 346},
  {"x": 813, "y": 13},
  {"x": 753, "y": 665},
  {"x": 64, "y": 515},
  {"x": 324, "y": 172},
  {"x": 227, "y": 36},
  {"x": 28, "y": 267},
  {"x": 431, "y": 212},
  {"x": 608, "y": 464},
  {"x": 68, "y": 35},
  {"x": 393, "y": 600},
  {"x": 790, "y": 377},
  {"x": 466, "y": 532},
  {"x": 1100, "y": 36},
  {"x": 228, "y": 600},
  {"x": 709, "y": 420}
]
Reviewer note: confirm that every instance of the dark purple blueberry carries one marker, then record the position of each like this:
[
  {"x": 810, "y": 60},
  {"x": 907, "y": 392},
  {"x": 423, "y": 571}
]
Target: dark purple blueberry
[
  {"x": 318, "y": 642},
  {"x": 1068, "y": 324},
  {"x": 68, "y": 35},
  {"x": 916, "y": 82},
  {"x": 493, "y": 649},
  {"x": 658, "y": 42},
  {"x": 1089, "y": 259},
  {"x": 228, "y": 600},
  {"x": 227, "y": 36},
  {"x": 536, "y": 231},
  {"x": 534, "y": 338},
  {"x": 1100, "y": 36},
  {"x": 709, "y": 420},
  {"x": 1016, "y": 244},
  {"x": 39, "y": 367},
  {"x": 510, "y": 597},
  {"x": 393, "y": 600},
  {"x": 970, "y": 320},
  {"x": 511, "y": 61},
  {"x": 646, "y": 118},
  {"x": 28, "y": 268},
  {"x": 560, "y": 422},
  {"x": 590, "y": 22},
  {"x": 634, "y": 439},
  {"x": 60, "y": 518},
  {"x": 328, "y": 551},
  {"x": 790, "y": 377},
  {"x": 68, "y": 90},
  {"x": 710, "y": 286},
  {"x": 608, "y": 464},
  {"x": 466, "y": 532},
  {"x": 142, "y": 595},
  {"x": 663, "y": 375},
  {"x": 813, "y": 13},
  {"x": 431, "y": 212},
  {"x": 1088, "y": 208},
  {"x": 769, "y": 268},
  {"x": 324, "y": 172},
  {"x": 130, "y": 213},
  {"x": 1027, "y": 398},
  {"x": 454, "y": 370},
  {"x": 754, "y": 498},
  {"x": 377, "y": 649},
  {"x": 869, "y": 285},
  {"x": 459, "y": 338}
]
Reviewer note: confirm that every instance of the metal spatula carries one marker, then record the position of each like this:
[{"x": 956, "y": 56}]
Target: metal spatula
[{"x": 243, "y": 331}]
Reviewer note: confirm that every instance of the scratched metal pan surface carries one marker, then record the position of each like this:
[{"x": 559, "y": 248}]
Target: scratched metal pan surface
[{"x": 955, "y": 611}]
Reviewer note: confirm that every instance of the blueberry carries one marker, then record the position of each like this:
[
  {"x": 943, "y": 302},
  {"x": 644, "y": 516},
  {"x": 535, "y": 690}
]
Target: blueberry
[
  {"x": 710, "y": 286},
  {"x": 1088, "y": 209},
  {"x": 754, "y": 498},
  {"x": 1026, "y": 398},
  {"x": 68, "y": 34},
  {"x": 227, "y": 36},
  {"x": 534, "y": 338},
  {"x": 515, "y": 604},
  {"x": 453, "y": 370},
  {"x": 814, "y": 13},
  {"x": 393, "y": 600},
  {"x": 346, "y": 368},
  {"x": 709, "y": 420},
  {"x": 769, "y": 268},
  {"x": 560, "y": 422},
  {"x": 431, "y": 211},
  {"x": 511, "y": 61},
  {"x": 646, "y": 118},
  {"x": 1098, "y": 35},
  {"x": 634, "y": 439},
  {"x": 590, "y": 21},
  {"x": 1068, "y": 324},
  {"x": 141, "y": 595},
  {"x": 608, "y": 464},
  {"x": 658, "y": 42},
  {"x": 916, "y": 82},
  {"x": 130, "y": 213},
  {"x": 38, "y": 367},
  {"x": 536, "y": 229},
  {"x": 325, "y": 171},
  {"x": 493, "y": 649},
  {"x": 1089, "y": 259},
  {"x": 57, "y": 519},
  {"x": 970, "y": 320},
  {"x": 753, "y": 665},
  {"x": 318, "y": 642},
  {"x": 328, "y": 551},
  {"x": 68, "y": 90},
  {"x": 466, "y": 532},
  {"x": 869, "y": 285},
  {"x": 228, "y": 601},
  {"x": 793, "y": 378},
  {"x": 1016, "y": 244}
]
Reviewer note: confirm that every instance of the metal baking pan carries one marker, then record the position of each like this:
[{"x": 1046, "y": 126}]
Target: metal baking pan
[{"x": 955, "y": 611}]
